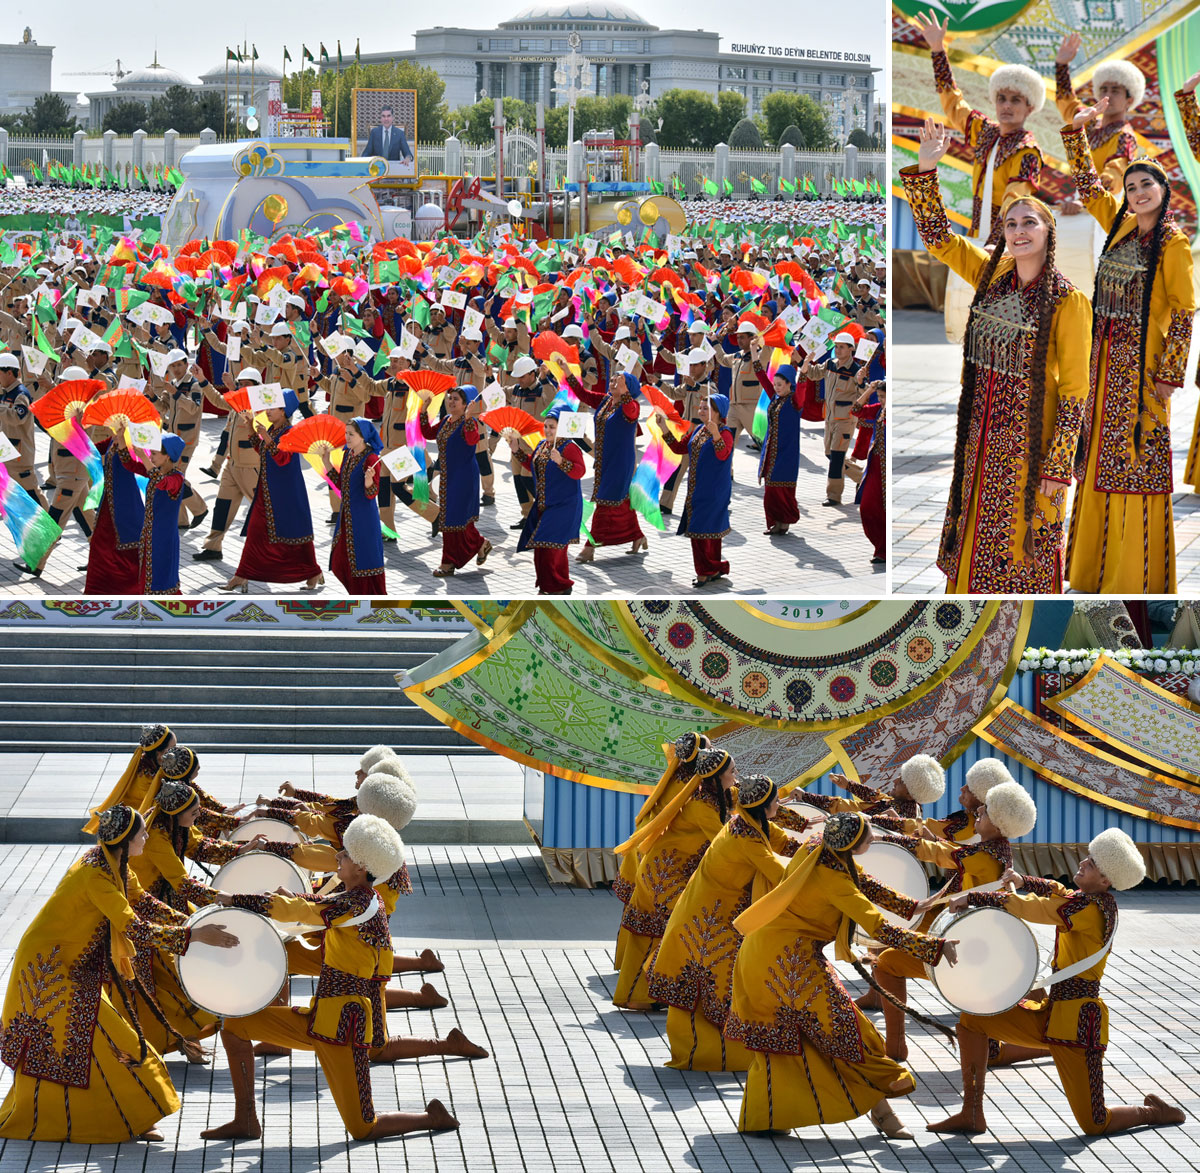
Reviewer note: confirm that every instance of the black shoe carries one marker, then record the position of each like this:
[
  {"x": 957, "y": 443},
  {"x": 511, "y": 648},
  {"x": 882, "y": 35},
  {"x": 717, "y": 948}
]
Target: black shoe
[
  {"x": 198, "y": 520},
  {"x": 333, "y": 519},
  {"x": 518, "y": 524},
  {"x": 666, "y": 512},
  {"x": 83, "y": 568},
  {"x": 25, "y": 570},
  {"x": 211, "y": 473},
  {"x": 49, "y": 486},
  {"x": 835, "y": 504},
  {"x": 487, "y": 499},
  {"x": 387, "y": 539},
  {"x": 207, "y": 556},
  {"x": 435, "y": 527}
]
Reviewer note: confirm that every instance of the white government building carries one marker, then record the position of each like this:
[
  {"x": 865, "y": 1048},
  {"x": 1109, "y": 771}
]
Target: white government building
[
  {"x": 25, "y": 75},
  {"x": 516, "y": 60}
]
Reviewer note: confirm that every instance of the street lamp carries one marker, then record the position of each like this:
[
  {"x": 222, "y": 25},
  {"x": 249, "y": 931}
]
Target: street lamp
[{"x": 572, "y": 76}]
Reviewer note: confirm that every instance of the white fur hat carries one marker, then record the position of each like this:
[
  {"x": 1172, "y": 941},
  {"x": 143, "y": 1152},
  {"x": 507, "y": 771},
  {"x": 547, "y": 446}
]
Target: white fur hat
[
  {"x": 375, "y": 754},
  {"x": 373, "y": 844},
  {"x": 984, "y": 774},
  {"x": 924, "y": 777},
  {"x": 1011, "y": 809},
  {"x": 394, "y": 767},
  {"x": 1122, "y": 73},
  {"x": 1023, "y": 80},
  {"x": 388, "y": 797},
  {"x": 1117, "y": 856}
]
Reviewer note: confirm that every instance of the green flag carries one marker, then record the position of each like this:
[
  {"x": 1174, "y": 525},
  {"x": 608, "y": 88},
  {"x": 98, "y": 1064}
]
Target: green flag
[
  {"x": 324, "y": 52},
  {"x": 727, "y": 186},
  {"x": 301, "y": 331},
  {"x": 757, "y": 186},
  {"x": 381, "y": 358},
  {"x": 385, "y": 272},
  {"x": 306, "y": 55},
  {"x": 354, "y": 325},
  {"x": 419, "y": 311},
  {"x": 656, "y": 187},
  {"x": 230, "y": 55},
  {"x": 711, "y": 188}
]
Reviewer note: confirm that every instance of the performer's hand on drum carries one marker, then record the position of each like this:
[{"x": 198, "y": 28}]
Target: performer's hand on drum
[
  {"x": 214, "y": 935},
  {"x": 935, "y": 142},
  {"x": 840, "y": 781},
  {"x": 957, "y": 902},
  {"x": 1071, "y": 207},
  {"x": 1068, "y": 49},
  {"x": 1164, "y": 391},
  {"x": 950, "y": 952},
  {"x": 286, "y": 789},
  {"x": 1012, "y": 879},
  {"x": 934, "y": 33},
  {"x": 255, "y": 844},
  {"x": 1085, "y": 114}
]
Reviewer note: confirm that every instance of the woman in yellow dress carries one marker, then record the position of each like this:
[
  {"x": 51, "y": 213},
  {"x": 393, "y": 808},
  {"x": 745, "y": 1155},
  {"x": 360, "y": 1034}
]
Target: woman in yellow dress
[
  {"x": 817, "y": 1059},
  {"x": 138, "y": 784},
  {"x": 181, "y": 763},
  {"x": 693, "y": 969},
  {"x": 1024, "y": 387},
  {"x": 83, "y": 1071},
  {"x": 672, "y": 845},
  {"x": 681, "y": 764},
  {"x": 1122, "y": 528}
]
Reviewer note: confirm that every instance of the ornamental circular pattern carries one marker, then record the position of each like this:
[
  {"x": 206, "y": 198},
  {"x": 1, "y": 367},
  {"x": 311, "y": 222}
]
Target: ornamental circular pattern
[
  {"x": 786, "y": 659},
  {"x": 755, "y": 685},
  {"x": 920, "y": 650},
  {"x": 842, "y": 689},
  {"x": 948, "y": 615},
  {"x": 883, "y": 673},
  {"x": 798, "y": 693}
]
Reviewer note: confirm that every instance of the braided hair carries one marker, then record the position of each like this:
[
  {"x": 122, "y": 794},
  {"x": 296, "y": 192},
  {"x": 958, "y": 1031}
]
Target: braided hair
[
  {"x": 966, "y": 400},
  {"x": 846, "y": 859},
  {"x": 1158, "y": 234}
]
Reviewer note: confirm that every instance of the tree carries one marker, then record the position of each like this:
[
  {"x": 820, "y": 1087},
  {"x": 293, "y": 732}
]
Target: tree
[
  {"x": 176, "y": 109},
  {"x": 592, "y": 113},
  {"x": 689, "y": 119},
  {"x": 794, "y": 135},
  {"x": 731, "y": 109},
  {"x": 49, "y": 115},
  {"x": 336, "y": 89},
  {"x": 475, "y": 122},
  {"x": 126, "y": 117},
  {"x": 859, "y": 138},
  {"x": 210, "y": 112},
  {"x": 783, "y": 110},
  {"x": 745, "y": 137}
]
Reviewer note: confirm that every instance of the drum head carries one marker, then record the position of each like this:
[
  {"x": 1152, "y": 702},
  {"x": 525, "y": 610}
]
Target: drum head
[
  {"x": 997, "y": 960},
  {"x": 274, "y": 829},
  {"x": 239, "y": 981},
  {"x": 257, "y": 873},
  {"x": 806, "y": 811},
  {"x": 898, "y": 868}
]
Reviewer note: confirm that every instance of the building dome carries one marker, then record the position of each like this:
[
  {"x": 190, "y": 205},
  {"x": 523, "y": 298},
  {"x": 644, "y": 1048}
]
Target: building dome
[
  {"x": 261, "y": 70},
  {"x": 580, "y": 10},
  {"x": 153, "y": 77}
]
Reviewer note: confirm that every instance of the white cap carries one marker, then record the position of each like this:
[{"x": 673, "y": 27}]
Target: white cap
[
  {"x": 296, "y": 300},
  {"x": 510, "y": 323},
  {"x": 9, "y": 362},
  {"x": 523, "y": 366},
  {"x": 470, "y": 334},
  {"x": 279, "y": 330},
  {"x": 176, "y": 355},
  {"x": 101, "y": 346},
  {"x": 848, "y": 339},
  {"x": 698, "y": 328},
  {"x": 747, "y": 328},
  {"x": 65, "y": 376},
  {"x": 696, "y": 356},
  {"x": 572, "y": 331},
  {"x": 239, "y": 324},
  {"x": 622, "y": 332},
  {"x": 250, "y": 375}
]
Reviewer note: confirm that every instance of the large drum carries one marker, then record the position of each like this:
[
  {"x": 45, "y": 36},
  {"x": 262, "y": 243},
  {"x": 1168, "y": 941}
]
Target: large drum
[
  {"x": 259, "y": 873},
  {"x": 898, "y": 868},
  {"x": 998, "y": 960},
  {"x": 275, "y": 830},
  {"x": 806, "y": 811},
  {"x": 234, "y": 982}
]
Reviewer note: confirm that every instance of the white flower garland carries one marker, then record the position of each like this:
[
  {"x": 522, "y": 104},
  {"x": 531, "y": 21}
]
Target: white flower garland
[{"x": 1077, "y": 661}]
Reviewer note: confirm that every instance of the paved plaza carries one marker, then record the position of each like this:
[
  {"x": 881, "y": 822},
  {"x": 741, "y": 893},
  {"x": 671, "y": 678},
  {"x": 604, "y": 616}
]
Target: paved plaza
[
  {"x": 826, "y": 550},
  {"x": 574, "y": 1084},
  {"x": 925, "y": 389}
]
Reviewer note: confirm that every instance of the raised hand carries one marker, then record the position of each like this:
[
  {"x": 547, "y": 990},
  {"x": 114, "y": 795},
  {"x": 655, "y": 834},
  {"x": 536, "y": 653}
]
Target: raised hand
[
  {"x": 1068, "y": 49},
  {"x": 1085, "y": 114},
  {"x": 935, "y": 142},
  {"x": 1190, "y": 85},
  {"x": 934, "y": 33}
]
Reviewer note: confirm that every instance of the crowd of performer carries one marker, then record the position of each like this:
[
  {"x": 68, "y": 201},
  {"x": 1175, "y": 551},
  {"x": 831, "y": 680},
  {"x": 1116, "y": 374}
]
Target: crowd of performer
[
  {"x": 637, "y": 366},
  {"x": 733, "y": 890},
  {"x": 1061, "y": 385},
  {"x": 97, "y": 994}
]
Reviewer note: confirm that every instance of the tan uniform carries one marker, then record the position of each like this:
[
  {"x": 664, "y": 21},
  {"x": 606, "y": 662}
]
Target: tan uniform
[
  {"x": 841, "y": 391},
  {"x": 744, "y": 390},
  {"x": 182, "y": 408},
  {"x": 17, "y": 423},
  {"x": 391, "y": 431},
  {"x": 441, "y": 341},
  {"x": 239, "y": 479}
]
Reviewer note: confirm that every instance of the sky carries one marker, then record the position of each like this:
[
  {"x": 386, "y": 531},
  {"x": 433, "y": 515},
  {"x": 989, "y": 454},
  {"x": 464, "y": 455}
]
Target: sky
[{"x": 91, "y": 36}]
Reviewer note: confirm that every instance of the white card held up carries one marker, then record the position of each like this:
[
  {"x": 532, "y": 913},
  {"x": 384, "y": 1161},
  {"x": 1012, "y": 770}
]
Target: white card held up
[
  {"x": 408, "y": 343},
  {"x": 264, "y": 396},
  {"x": 472, "y": 319},
  {"x": 85, "y": 339},
  {"x": 454, "y": 299},
  {"x": 147, "y": 436},
  {"x": 333, "y": 344},
  {"x": 401, "y": 464},
  {"x": 8, "y": 450},
  {"x": 131, "y": 384},
  {"x": 158, "y": 314},
  {"x": 792, "y": 318},
  {"x": 363, "y": 352},
  {"x": 493, "y": 396},
  {"x": 35, "y": 361},
  {"x": 865, "y": 348},
  {"x": 158, "y": 362},
  {"x": 233, "y": 348},
  {"x": 573, "y": 425},
  {"x": 628, "y": 359},
  {"x": 266, "y": 314}
]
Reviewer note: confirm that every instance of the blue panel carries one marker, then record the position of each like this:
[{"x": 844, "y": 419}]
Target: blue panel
[
  {"x": 574, "y": 815},
  {"x": 1050, "y": 619}
]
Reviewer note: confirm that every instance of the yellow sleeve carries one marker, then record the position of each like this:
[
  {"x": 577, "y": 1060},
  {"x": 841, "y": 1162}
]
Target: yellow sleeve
[
  {"x": 316, "y": 857},
  {"x": 956, "y": 108},
  {"x": 296, "y": 910},
  {"x": 939, "y": 852},
  {"x": 847, "y": 899},
  {"x": 1073, "y": 336},
  {"x": 965, "y": 257},
  {"x": 1102, "y": 205},
  {"x": 158, "y": 852},
  {"x": 1037, "y": 910},
  {"x": 1190, "y": 113},
  {"x": 1064, "y": 92},
  {"x": 1176, "y": 266},
  {"x": 1024, "y": 180}
]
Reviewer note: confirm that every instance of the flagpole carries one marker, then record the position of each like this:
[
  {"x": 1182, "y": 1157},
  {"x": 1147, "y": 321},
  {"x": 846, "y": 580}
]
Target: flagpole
[
  {"x": 337, "y": 93},
  {"x": 253, "y": 55},
  {"x": 226, "y": 124},
  {"x": 238, "y": 126}
]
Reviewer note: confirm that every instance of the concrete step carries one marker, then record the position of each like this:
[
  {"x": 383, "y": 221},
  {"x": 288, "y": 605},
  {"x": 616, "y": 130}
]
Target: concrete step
[
  {"x": 91, "y": 638},
  {"x": 363, "y": 737},
  {"x": 244, "y": 734},
  {"x": 267, "y": 676}
]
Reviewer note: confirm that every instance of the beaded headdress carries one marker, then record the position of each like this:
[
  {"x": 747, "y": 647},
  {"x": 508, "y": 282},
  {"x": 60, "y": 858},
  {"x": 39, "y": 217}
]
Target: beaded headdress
[
  {"x": 178, "y": 762},
  {"x": 844, "y": 831},
  {"x": 755, "y": 790},
  {"x": 712, "y": 761}
]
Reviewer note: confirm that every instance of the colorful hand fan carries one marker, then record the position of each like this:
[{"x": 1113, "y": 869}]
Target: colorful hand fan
[
  {"x": 238, "y": 399},
  {"x": 547, "y": 344},
  {"x": 658, "y": 399},
  {"x": 115, "y": 409},
  {"x": 66, "y": 401},
  {"x": 33, "y": 530},
  {"x": 657, "y": 464},
  {"x": 316, "y": 434},
  {"x": 520, "y": 421},
  {"x": 776, "y": 335},
  {"x": 758, "y": 426},
  {"x": 432, "y": 381}
]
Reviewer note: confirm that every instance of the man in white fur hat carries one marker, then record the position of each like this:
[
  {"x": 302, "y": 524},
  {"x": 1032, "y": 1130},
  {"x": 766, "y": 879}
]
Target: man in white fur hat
[
  {"x": 1111, "y": 137},
  {"x": 1007, "y": 160},
  {"x": 1073, "y": 1020},
  {"x": 346, "y": 1016}
]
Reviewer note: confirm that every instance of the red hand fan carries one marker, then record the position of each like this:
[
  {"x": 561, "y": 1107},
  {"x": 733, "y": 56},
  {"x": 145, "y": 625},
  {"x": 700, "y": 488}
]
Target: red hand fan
[
  {"x": 547, "y": 344},
  {"x": 500, "y": 418},
  {"x": 658, "y": 399},
  {"x": 115, "y": 409},
  {"x": 756, "y": 320},
  {"x": 314, "y": 434},
  {"x": 67, "y": 399},
  {"x": 431, "y": 381},
  {"x": 238, "y": 399},
  {"x": 776, "y": 336}
]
